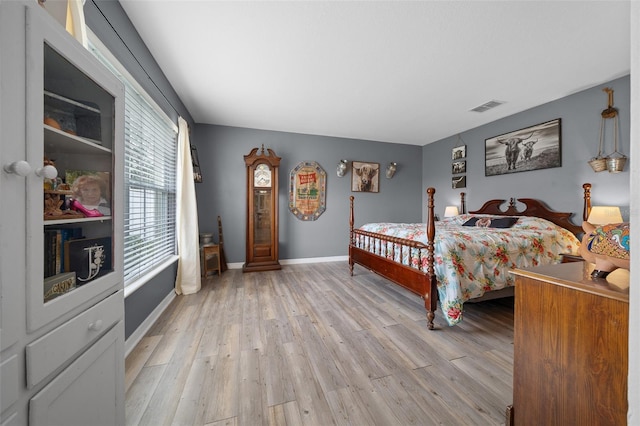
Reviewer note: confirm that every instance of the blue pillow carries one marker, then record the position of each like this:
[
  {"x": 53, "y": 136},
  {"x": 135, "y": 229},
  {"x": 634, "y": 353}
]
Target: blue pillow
[{"x": 491, "y": 222}]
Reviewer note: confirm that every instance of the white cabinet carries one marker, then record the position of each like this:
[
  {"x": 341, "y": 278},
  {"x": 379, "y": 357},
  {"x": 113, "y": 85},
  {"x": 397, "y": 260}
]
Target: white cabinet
[
  {"x": 83, "y": 394},
  {"x": 61, "y": 266}
]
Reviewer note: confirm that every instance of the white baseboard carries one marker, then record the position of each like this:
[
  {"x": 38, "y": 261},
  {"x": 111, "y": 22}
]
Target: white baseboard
[
  {"x": 238, "y": 265},
  {"x": 314, "y": 260},
  {"x": 146, "y": 325}
]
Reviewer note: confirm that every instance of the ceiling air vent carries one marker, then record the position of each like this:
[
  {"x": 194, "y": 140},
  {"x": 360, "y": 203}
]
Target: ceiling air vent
[{"x": 487, "y": 105}]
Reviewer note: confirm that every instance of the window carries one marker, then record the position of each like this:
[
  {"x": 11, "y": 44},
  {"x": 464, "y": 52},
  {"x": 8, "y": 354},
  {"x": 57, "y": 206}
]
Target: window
[{"x": 150, "y": 160}]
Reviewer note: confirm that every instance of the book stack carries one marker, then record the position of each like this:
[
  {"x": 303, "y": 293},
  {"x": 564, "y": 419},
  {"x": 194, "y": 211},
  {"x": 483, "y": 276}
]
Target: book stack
[{"x": 54, "y": 244}]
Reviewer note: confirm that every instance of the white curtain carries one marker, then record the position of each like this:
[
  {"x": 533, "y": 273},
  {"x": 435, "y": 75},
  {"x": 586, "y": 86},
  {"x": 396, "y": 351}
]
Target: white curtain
[
  {"x": 70, "y": 14},
  {"x": 188, "y": 277},
  {"x": 75, "y": 21}
]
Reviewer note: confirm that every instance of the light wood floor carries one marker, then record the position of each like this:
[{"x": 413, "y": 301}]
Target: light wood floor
[{"x": 310, "y": 345}]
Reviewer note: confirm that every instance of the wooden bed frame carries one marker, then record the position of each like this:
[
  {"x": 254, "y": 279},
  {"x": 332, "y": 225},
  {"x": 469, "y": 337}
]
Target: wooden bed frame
[{"x": 423, "y": 282}]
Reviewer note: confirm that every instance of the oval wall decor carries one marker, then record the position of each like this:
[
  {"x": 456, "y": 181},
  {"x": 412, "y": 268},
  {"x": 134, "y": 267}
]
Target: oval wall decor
[{"x": 307, "y": 190}]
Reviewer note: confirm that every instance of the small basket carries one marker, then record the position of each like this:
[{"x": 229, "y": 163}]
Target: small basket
[
  {"x": 616, "y": 164},
  {"x": 598, "y": 164}
]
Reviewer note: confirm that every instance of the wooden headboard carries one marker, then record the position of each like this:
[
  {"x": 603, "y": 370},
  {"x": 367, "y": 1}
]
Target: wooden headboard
[{"x": 538, "y": 208}]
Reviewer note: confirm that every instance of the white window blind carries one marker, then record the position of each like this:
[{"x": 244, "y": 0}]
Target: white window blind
[{"x": 150, "y": 160}]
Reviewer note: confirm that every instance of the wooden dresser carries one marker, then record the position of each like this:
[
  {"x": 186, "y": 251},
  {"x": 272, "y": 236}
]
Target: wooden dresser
[{"x": 570, "y": 347}]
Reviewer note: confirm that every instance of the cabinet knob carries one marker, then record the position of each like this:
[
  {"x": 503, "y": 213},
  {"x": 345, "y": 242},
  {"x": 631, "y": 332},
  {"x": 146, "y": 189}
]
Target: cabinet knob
[
  {"x": 20, "y": 168},
  {"x": 96, "y": 326},
  {"x": 47, "y": 172}
]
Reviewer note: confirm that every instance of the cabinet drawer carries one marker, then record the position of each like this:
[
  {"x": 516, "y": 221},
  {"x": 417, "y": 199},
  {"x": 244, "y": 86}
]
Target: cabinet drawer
[
  {"x": 55, "y": 348},
  {"x": 10, "y": 384},
  {"x": 90, "y": 391}
]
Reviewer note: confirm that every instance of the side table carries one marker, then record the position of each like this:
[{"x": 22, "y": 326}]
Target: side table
[{"x": 210, "y": 251}]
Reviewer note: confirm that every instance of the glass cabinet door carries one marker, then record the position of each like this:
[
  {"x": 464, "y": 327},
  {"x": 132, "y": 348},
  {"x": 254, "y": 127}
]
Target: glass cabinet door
[{"x": 74, "y": 142}]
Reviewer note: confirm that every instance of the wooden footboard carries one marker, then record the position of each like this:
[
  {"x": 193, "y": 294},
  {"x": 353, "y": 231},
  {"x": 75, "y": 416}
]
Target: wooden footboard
[{"x": 421, "y": 281}]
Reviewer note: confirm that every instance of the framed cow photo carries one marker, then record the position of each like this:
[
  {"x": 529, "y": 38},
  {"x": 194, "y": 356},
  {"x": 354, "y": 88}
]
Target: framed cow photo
[
  {"x": 459, "y": 152},
  {"x": 365, "y": 177},
  {"x": 459, "y": 182},
  {"x": 532, "y": 148},
  {"x": 458, "y": 167}
]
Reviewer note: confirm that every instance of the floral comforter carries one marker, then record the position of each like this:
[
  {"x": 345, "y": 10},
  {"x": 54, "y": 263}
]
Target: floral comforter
[{"x": 471, "y": 260}]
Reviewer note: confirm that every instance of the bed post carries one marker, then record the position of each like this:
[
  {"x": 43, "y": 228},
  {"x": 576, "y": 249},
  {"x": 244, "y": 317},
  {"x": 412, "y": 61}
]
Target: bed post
[
  {"x": 350, "y": 234},
  {"x": 431, "y": 294},
  {"x": 463, "y": 204},
  {"x": 586, "y": 209}
]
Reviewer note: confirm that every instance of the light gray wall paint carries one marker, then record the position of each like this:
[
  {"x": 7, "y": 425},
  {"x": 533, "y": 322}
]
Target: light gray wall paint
[
  {"x": 560, "y": 188},
  {"x": 110, "y": 23},
  {"x": 221, "y": 151}
]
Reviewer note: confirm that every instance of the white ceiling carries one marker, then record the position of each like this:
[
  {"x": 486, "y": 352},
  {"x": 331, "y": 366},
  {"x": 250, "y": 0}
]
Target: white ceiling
[{"x": 391, "y": 71}]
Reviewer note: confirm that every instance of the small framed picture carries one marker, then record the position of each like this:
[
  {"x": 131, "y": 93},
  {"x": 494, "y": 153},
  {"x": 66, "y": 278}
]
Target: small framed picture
[
  {"x": 458, "y": 167},
  {"x": 459, "y": 152},
  {"x": 365, "y": 177},
  {"x": 459, "y": 182},
  {"x": 195, "y": 162}
]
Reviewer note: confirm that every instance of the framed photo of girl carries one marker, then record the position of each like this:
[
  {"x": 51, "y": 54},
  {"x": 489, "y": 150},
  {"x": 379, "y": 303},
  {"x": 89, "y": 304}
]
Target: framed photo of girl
[{"x": 92, "y": 189}]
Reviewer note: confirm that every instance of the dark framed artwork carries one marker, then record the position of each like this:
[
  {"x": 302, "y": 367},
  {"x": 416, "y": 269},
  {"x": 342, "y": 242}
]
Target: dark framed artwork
[
  {"x": 532, "y": 148},
  {"x": 459, "y": 182},
  {"x": 459, "y": 152},
  {"x": 458, "y": 167},
  {"x": 365, "y": 177},
  {"x": 197, "y": 174}
]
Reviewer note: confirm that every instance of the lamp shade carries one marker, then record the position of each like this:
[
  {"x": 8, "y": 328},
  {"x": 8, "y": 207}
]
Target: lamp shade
[
  {"x": 450, "y": 211},
  {"x": 602, "y": 215}
]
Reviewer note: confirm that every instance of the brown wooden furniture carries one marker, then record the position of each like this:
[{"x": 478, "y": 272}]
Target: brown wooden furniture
[
  {"x": 223, "y": 256},
  {"x": 262, "y": 211},
  {"x": 570, "y": 347},
  {"x": 209, "y": 253},
  {"x": 422, "y": 281},
  {"x": 568, "y": 257}
]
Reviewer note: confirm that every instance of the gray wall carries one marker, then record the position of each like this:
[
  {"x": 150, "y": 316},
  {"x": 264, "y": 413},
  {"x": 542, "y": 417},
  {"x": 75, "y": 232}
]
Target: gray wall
[
  {"x": 223, "y": 191},
  {"x": 560, "y": 188},
  {"x": 110, "y": 23},
  {"x": 221, "y": 150}
]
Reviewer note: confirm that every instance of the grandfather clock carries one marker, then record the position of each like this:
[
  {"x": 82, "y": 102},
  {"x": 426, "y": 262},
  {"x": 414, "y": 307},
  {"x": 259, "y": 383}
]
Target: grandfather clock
[{"x": 262, "y": 210}]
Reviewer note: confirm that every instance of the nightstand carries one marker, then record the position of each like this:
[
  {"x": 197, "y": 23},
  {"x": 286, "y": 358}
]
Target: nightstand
[
  {"x": 570, "y": 346},
  {"x": 210, "y": 259}
]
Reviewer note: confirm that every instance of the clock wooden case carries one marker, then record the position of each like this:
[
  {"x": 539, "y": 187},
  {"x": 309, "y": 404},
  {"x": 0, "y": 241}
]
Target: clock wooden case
[{"x": 262, "y": 210}]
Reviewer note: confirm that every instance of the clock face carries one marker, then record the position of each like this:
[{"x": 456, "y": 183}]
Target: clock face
[{"x": 262, "y": 176}]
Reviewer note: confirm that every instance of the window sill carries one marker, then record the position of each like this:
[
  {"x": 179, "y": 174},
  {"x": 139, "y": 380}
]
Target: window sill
[{"x": 135, "y": 285}]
